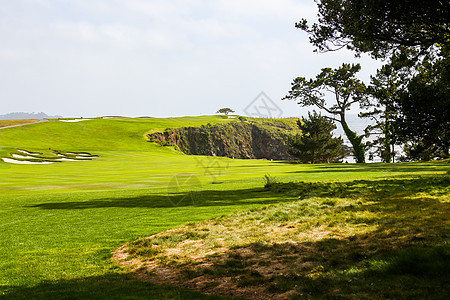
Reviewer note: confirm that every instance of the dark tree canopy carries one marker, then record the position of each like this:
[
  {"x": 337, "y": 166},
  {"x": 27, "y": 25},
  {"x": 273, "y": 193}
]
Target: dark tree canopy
[
  {"x": 412, "y": 106},
  {"x": 383, "y": 89},
  {"x": 225, "y": 110},
  {"x": 316, "y": 143},
  {"x": 422, "y": 121},
  {"x": 379, "y": 26}
]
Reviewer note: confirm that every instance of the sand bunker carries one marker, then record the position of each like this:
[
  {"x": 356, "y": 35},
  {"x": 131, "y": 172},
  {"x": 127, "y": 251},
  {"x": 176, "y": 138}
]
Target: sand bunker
[
  {"x": 76, "y": 155},
  {"x": 28, "y": 152},
  {"x": 81, "y": 154},
  {"x": 61, "y": 156},
  {"x": 23, "y": 156},
  {"x": 75, "y": 120},
  {"x": 66, "y": 159},
  {"x": 23, "y": 162}
]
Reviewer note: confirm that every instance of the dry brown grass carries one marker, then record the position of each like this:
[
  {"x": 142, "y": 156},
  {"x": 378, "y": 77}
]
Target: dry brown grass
[
  {"x": 341, "y": 242},
  {"x": 5, "y": 123}
]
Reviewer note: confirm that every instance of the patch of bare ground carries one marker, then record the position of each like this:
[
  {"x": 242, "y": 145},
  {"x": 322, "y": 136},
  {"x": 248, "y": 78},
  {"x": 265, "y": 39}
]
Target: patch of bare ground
[
  {"x": 8, "y": 123},
  {"x": 330, "y": 246}
]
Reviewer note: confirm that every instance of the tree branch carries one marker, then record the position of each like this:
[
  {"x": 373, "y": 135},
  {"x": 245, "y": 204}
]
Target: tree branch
[
  {"x": 334, "y": 119},
  {"x": 325, "y": 108}
]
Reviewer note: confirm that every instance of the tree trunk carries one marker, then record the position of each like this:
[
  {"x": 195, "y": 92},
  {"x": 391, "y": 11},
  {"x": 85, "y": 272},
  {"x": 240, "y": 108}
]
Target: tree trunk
[
  {"x": 355, "y": 140},
  {"x": 387, "y": 157}
]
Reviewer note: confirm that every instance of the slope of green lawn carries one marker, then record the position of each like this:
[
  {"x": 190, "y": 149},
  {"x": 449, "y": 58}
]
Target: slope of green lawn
[
  {"x": 59, "y": 223},
  {"x": 94, "y": 134}
]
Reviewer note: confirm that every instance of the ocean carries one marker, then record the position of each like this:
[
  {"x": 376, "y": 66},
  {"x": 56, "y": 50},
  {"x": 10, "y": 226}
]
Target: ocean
[{"x": 357, "y": 124}]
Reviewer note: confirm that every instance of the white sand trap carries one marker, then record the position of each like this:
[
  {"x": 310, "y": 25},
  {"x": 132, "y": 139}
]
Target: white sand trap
[
  {"x": 23, "y": 156},
  {"x": 66, "y": 159},
  {"x": 22, "y": 162},
  {"x": 81, "y": 154},
  {"x": 76, "y": 156},
  {"x": 28, "y": 152},
  {"x": 75, "y": 120}
]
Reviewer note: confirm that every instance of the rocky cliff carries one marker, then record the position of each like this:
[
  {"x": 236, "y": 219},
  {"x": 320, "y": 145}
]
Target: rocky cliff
[{"x": 240, "y": 139}]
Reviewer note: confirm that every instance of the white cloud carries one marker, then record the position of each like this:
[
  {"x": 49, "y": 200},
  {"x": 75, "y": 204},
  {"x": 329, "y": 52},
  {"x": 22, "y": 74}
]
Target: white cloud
[
  {"x": 268, "y": 8},
  {"x": 108, "y": 34},
  {"x": 214, "y": 28},
  {"x": 158, "y": 9},
  {"x": 159, "y": 57},
  {"x": 11, "y": 56},
  {"x": 73, "y": 31}
]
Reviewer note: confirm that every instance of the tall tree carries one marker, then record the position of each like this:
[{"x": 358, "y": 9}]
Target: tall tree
[
  {"x": 423, "y": 110},
  {"x": 415, "y": 36},
  {"x": 412, "y": 106},
  {"x": 316, "y": 143},
  {"x": 346, "y": 90},
  {"x": 384, "y": 89},
  {"x": 225, "y": 110},
  {"x": 379, "y": 27}
]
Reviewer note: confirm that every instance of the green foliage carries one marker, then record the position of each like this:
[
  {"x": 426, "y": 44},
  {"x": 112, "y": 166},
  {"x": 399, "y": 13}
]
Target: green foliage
[
  {"x": 416, "y": 37},
  {"x": 345, "y": 88},
  {"x": 412, "y": 107},
  {"x": 225, "y": 110},
  {"x": 356, "y": 141},
  {"x": 269, "y": 181},
  {"x": 384, "y": 88},
  {"x": 316, "y": 144},
  {"x": 379, "y": 27},
  {"x": 423, "y": 119}
]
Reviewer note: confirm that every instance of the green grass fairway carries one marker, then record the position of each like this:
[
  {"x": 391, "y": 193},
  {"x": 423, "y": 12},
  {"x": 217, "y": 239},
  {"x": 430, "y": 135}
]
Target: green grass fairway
[{"x": 59, "y": 223}]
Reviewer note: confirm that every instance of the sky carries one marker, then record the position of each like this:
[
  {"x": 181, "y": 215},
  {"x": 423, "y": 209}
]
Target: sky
[{"x": 159, "y": 58}]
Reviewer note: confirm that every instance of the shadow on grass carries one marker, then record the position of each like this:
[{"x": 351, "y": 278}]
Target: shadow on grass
[
  {"x": 349, "y": 268},
  {"x": 101, "y": 287},
  {"x": 375, "y": 167},
  {"x": 171, "y": 200},
  {"x": 277, "y": 193},
  {"x": 434, "y": 184},
  {"x": 405, "y": 254}
]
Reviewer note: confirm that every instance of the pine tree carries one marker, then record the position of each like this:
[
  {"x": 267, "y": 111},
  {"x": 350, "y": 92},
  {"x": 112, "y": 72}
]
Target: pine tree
[
  {"x": 345, "y": 90},
  {"x": 316, "y": 144}
]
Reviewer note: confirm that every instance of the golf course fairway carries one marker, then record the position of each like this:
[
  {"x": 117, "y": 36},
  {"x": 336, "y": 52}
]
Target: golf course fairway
[{"x": 61, "y": 222}]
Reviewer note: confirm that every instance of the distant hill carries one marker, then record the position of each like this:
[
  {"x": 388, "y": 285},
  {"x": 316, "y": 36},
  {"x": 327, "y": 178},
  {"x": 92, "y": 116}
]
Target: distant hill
[{"x": 23, "y": 115}]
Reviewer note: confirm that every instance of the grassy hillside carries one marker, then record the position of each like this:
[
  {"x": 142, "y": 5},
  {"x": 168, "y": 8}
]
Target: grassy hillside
[
  {"x": 358, "y": 239},
  {"x": 95, "y": 134},
  {"x": 59, "y": 223}
]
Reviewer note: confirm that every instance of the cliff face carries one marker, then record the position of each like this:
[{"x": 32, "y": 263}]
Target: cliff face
[{"x": 240, "y": 139}]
